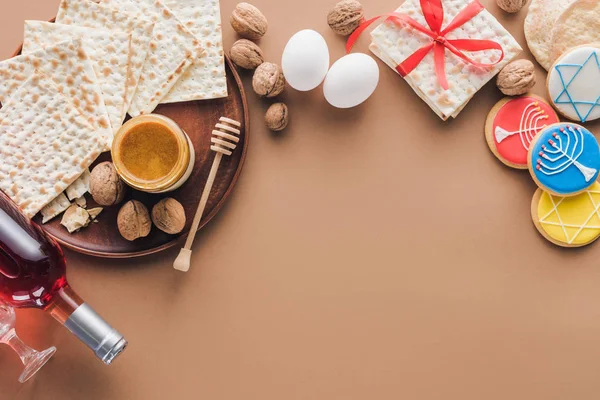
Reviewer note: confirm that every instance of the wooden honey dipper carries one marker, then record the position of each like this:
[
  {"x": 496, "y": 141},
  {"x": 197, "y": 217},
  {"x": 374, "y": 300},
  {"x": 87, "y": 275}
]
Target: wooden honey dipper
[{"x": 224, "y": 141}]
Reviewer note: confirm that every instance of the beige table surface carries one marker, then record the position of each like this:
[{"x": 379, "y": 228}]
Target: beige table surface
[{"x": 373, "y": 253}]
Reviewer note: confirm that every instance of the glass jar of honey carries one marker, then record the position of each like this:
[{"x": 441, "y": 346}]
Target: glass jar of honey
[{"x": 153, "y": 154}]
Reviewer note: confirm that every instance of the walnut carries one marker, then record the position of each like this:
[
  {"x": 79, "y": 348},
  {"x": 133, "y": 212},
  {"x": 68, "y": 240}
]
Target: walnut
[
  {"x": 169, "y": 216},
  {"x": 511, "y": 6},
  {"x": 248, "y": 21},
  {"x": 246, "y": 54},
  {"x": 516, "y": 78},
  {"x": 106, "y": 186},
  {"x": 133, "y": 220},
  {"x": 268, "y": 80},
  {"x": 277, "y": 117},
  {"x": 345, "y": 17}
]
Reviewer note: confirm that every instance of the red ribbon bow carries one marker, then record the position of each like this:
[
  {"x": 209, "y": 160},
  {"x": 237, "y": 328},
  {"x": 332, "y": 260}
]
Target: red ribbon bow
[{"x": 433, "y": 11}]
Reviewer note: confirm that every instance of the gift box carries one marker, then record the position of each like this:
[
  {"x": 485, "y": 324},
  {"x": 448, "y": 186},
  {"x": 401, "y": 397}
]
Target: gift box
[{"x": 445, "y": 63}]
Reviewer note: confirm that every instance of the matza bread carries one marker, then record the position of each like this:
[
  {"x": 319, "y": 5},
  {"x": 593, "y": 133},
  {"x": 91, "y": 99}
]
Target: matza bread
[
  {"x": 89, "y": 14},
  {"x": 173, "y": 49},
  {"x": 541, "y": 17},
  {"x": 55, "y": 207},
  {"x": 70, "y": 69},
  {"x": 45, "y": 144},
  {"x": 398, "y": 42},
  {"x": 80, "y": 187},
  {"x": 578, "y": 25},
  {"x": 377, "y": 51},
  {"x": 206, "y": 78},
  {"x": 108, "y": 51}
]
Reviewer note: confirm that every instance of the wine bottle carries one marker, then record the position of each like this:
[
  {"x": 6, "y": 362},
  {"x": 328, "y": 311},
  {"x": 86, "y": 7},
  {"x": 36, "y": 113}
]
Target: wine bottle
[{"x": 33, "y": 275}]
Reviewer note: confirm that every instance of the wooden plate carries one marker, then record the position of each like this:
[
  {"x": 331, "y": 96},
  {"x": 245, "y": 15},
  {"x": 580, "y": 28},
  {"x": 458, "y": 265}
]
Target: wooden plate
[{"x": 197, "y": 118}]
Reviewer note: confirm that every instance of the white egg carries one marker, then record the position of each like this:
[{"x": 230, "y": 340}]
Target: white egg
[
  {"x": 305, "y": 60},
  {"x": 351, "y": 80}
]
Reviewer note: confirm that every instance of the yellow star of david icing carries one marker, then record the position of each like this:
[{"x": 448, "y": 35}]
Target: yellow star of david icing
[{"x": 573, "y": 221}]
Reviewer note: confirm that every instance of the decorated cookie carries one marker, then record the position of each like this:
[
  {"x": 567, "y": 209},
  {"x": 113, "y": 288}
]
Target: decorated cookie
[
  {"x": 568, "y": 221},
  {"x": 574, "y": 84},
  {"x": 513, "y": 123},
  {"x": 564, "y": 159}
]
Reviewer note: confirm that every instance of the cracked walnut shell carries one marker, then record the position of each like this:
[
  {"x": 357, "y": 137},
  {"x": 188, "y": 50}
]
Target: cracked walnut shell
[
  {"x": 168, "y": 215},
  {"x": 516, "y": 78},
  {"x": 345, "y": 17},
  {"x": 246, "y": 54},
  {"x": 511, "y": 6},
  {"x": 106, "y": 187},
  {"x": 248, "y": 21},
  {"x": 268, "y": 80},
  {"x": 133, "y": 220},
  {"x": 277, "y": 117}
]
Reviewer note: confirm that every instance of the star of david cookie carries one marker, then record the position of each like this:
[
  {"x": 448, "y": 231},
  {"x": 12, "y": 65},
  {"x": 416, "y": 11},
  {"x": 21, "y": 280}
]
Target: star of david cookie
[
  {"x": 513, "y": 123},
  {"x": 564, "y": 159},
  {"x": 568, "y": 221},
  {"x": 574, "y": 84}
]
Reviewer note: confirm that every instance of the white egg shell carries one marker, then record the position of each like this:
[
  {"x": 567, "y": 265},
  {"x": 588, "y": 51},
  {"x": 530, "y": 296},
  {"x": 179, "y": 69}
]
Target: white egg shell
[
  {"x": 351, "y": 80},
  {"x": 305, "y": 60}
]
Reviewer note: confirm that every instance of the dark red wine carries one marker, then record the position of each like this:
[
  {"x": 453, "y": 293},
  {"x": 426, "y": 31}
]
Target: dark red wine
[
  {"x": 33, "y": 275},
  {"x": 32, "y": 265}
]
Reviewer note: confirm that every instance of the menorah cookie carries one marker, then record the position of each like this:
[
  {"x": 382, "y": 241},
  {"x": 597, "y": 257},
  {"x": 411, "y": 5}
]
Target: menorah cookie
[
  {"x": 574, "y": 84},
  {"x": 512, "y": 124},
  {"x": 564, "y": 159},
  {"x": 568, "y": 221}
]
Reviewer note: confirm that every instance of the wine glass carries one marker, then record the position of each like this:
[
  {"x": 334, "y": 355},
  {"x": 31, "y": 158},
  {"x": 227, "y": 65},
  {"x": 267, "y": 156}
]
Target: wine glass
[{"x": 32, "y": 359}]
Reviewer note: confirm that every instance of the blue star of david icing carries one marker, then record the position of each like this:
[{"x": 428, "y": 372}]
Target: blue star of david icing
[
  {"x": 574, "y": 84},
  {"x": 565, "y": 159}
]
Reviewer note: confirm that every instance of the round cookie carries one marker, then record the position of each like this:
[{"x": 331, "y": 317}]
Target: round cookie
[
  {"x": 574, "y": 84},
  {"x": 568, "y": 221},
  {"x": 578, "y": 25},
  {"x": 512, "y": 124},
  {"x": 541, "y": 16},
  {"x": 564, "y": 159}
]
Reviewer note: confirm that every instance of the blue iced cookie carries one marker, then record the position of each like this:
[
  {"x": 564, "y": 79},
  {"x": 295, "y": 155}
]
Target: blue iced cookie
[{"x": 564, "y": 159}]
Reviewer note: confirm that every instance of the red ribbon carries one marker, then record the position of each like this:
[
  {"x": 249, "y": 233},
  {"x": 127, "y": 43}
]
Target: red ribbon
[{"x": 433, "y": 11}]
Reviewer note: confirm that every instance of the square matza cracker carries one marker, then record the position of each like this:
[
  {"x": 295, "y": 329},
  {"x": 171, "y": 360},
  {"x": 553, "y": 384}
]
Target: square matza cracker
[
  {"x": 205, "y": 79},
  {"x": 89, "y": 14},
  {"x": 173, "y": 49},
  {"x": 71, "y": 71},
  {"x": 45, "y": 144},
  {"x": 398, "y": 41},
  {"x": 108, "y": 51}
]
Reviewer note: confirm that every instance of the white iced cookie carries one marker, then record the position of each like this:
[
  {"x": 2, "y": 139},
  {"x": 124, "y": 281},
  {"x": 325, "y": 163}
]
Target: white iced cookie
[{"x": 574, "y": 84}]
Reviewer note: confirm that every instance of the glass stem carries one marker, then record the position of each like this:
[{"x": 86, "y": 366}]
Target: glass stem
[{"x": 25, "y": 352}]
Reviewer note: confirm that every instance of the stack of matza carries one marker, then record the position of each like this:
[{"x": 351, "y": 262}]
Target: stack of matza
[
  {"x": 69, "y": 91},
  {"x": 45, "y": 144},
  {"x": 394, "y": 42},
  {"x": 184, "y": 52}
]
